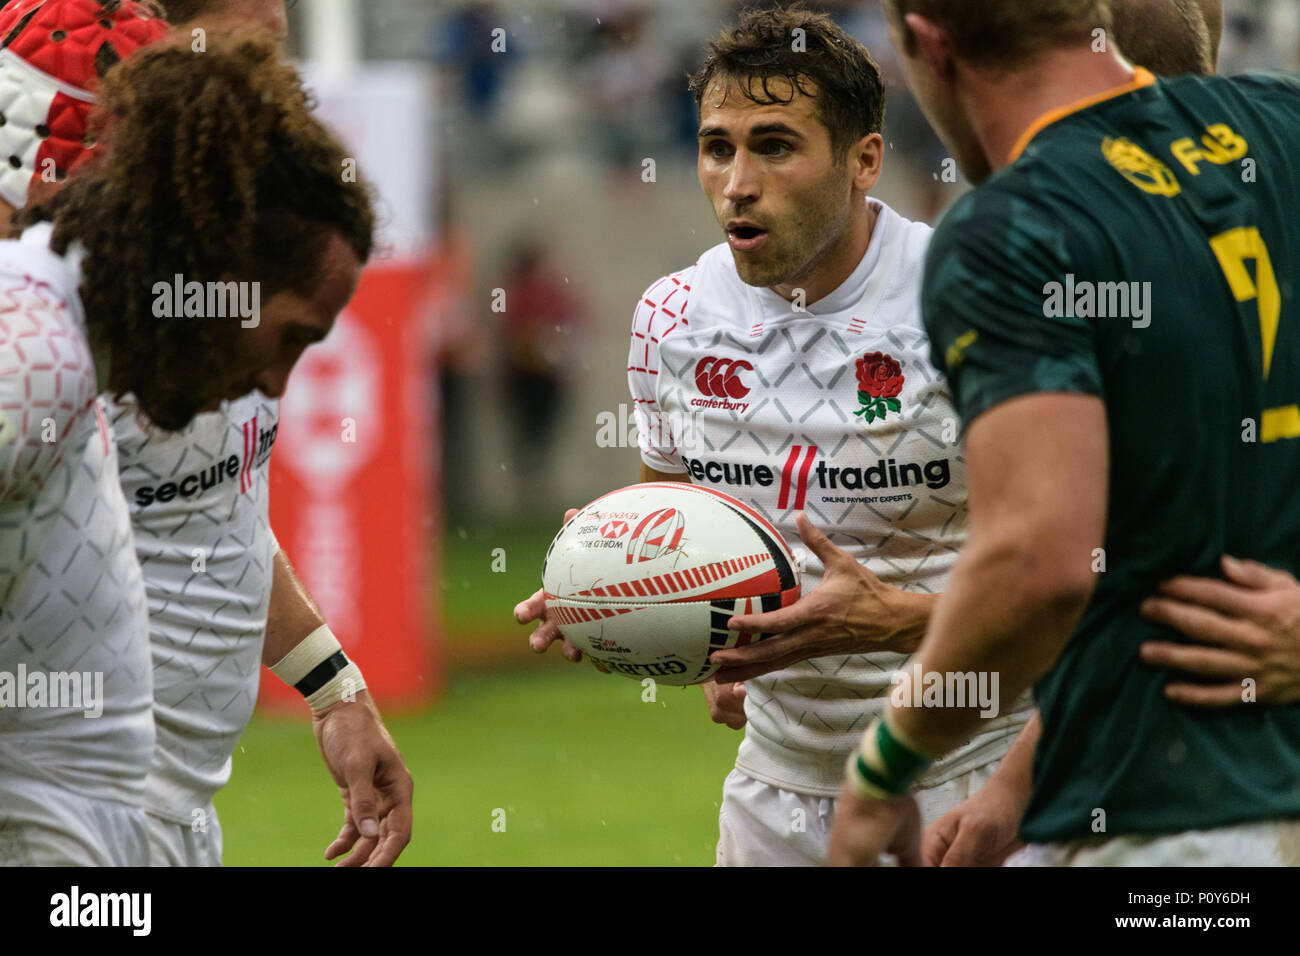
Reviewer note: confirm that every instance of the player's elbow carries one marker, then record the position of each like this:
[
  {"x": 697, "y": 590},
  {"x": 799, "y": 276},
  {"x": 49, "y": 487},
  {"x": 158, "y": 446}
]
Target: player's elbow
[{"x": 1050, "y": 581}]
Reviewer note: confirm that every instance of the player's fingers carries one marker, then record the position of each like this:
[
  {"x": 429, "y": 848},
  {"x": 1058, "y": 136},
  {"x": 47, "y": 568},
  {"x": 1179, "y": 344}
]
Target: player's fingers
[
  {"x": 346, "y": 839},
  {"x": 568, "y": 515},
  {"x": 765, "y": 650},
  {"x": 531, "y": 608},
  {"x": 1201, "y": 695},
  {"x": 1199, "y": 623},
  {"x": 1201, "y": 661},
  {"x": 774, "y": 622},
  {"x": 362, "y": 798},
  {"x": 826, "y": 550},
  {"x": 571, "y": 653},
  {"x": 360, "y": 853},
  {"x": 1230, "y": 599},
  {"x": 1252, "y": 574},
  {"x": 936, "y": 839},
  {"x": 542, "y": 638},
  {"x": 964, "y": 850},
  {"x": 396, "y": 835},
  {"x": 750, "y": 671}
]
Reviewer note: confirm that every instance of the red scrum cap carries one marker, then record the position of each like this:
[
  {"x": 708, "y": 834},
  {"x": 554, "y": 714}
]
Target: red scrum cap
[{"x": 52, "y": 56}]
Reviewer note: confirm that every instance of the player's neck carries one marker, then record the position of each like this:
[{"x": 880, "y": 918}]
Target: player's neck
[
  {"x": 1003, "y": 107},
  {"x": 831, "y": 271}
]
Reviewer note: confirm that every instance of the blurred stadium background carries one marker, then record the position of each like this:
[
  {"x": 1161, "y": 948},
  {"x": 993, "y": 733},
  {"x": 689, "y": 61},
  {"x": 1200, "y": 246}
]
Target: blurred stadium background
[{"x": 545, "y": 149}]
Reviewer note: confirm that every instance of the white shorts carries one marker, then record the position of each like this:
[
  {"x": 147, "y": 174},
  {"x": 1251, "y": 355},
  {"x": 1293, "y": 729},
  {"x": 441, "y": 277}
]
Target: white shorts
[
  {"x": 1262, "y": 843},
  {"x": 185, "y": 844},
  {"x": 45, "y": 825},
  {"x": 762, "y": 825}
]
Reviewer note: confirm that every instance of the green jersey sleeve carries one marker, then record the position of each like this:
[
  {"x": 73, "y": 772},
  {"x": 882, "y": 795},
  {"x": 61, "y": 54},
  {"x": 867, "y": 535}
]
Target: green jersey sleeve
[{"x": 994, "y": 305}]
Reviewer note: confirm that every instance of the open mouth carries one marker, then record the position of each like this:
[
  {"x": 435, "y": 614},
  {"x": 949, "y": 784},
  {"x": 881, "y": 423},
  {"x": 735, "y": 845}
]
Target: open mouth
[{"x": 745, "y": 237}]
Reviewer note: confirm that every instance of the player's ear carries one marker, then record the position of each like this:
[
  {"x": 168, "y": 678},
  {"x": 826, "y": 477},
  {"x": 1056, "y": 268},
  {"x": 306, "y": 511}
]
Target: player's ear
[
  {"x": 866, "y": 158},
  {"x": 933, "y": 45}
]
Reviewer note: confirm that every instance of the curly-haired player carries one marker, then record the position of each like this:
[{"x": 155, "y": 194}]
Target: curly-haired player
[{"x": 168, "y": 196}]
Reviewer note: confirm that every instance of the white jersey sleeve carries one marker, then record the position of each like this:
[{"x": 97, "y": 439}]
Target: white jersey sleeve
[
  {"x": 75, "y": 689},
  {"x": 47, "y": 386},
  {"x": 661, "y": 310}
]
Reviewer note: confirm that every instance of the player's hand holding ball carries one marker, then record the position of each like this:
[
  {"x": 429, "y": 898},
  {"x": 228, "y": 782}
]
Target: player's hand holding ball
[
  {"x": 850, "y": 612},
  {"x": 546, "y": 634}
]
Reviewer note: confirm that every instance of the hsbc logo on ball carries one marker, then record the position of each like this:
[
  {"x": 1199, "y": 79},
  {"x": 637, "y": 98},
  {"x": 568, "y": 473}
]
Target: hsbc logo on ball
[
  {"x": 613, "y": 529},
  {"x": 719, "y": 379}
]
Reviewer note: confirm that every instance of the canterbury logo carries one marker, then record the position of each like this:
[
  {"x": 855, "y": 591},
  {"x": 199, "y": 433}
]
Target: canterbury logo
[{"x": 720, "y": 378}]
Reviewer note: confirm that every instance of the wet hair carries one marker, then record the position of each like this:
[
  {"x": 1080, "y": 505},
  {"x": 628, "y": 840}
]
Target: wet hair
[
  {"x": 214, "y": 169},
  {"x": 821, "y": 61}
]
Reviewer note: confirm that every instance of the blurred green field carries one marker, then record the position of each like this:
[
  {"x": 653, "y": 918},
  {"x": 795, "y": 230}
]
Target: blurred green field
[{"x": 586, "y": 771}]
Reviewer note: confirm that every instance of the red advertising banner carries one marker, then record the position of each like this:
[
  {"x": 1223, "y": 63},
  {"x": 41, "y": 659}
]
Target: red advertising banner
[{"x": 353, "y": 486}]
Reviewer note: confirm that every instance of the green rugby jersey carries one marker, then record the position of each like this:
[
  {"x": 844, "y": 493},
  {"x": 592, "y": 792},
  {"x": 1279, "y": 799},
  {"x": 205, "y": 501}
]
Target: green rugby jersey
[{"x": 1144, "y": 248}]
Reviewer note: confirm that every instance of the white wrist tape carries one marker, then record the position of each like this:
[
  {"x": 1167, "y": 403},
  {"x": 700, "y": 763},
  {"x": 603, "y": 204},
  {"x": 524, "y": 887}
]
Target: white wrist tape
[{"x": 319, "y": 670}]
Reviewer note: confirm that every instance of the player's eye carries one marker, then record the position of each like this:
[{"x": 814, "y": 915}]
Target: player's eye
[
  {"x": 774, "y": 147},
  {"x": 302, "y": 337},
  {"x": 717, "y": 149}
]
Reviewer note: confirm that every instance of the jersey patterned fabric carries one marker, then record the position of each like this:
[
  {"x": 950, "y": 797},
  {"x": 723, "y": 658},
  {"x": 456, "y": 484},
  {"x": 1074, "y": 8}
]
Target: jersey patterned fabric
[
  {"x": 200, "y": 509},
  {"x": 1144, "y": 249},
  {"x": 835, "y": 411},
  {"x": 72, "y": 610}
]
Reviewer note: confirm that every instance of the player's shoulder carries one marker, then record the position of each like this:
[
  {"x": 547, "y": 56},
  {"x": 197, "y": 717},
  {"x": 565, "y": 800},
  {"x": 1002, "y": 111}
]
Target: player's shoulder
[
  {"x": 673, "y": 289},
  {"x": 49, "y": 381},
  {"x": 1282, "y": 87},
  {"x": 30, "y": 256}
]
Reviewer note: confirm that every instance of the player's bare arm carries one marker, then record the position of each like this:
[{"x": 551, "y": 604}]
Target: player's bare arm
[
  {"x": 850, "y": 612},
  {"x": 1247, "y": 633},
  {"x": 981, "y": 831},
  {"x": 1019, "y": 587},
  {"x": 358, "y": 750}
]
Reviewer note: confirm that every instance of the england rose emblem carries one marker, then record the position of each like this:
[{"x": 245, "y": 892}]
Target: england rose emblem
[{"x": 880, "y": 382}]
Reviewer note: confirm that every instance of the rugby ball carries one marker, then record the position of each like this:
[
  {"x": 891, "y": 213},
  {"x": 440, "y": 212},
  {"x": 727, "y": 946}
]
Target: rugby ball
[{"x": 644, "y": 579}]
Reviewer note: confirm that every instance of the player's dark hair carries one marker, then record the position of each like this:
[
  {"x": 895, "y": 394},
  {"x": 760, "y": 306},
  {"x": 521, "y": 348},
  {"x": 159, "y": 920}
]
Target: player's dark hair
[
  {"x": 183, "y": 11},
  {"x": 1003, "y": 34},
  {"x": 803, "y": 48},
  {"x": 215, "y": 170}
]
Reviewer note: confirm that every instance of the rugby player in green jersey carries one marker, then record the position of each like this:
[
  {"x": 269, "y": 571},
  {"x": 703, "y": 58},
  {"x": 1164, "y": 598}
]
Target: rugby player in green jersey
[{"x": 1114, "y": 312}]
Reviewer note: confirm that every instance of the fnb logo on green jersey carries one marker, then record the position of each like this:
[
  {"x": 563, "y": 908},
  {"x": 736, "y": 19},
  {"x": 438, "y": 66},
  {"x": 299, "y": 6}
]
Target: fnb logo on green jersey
[
  {"x": 256, "y": 452},
  {"x": 797, "y": 473}
]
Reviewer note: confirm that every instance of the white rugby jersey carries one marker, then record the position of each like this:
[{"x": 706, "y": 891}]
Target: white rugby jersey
[
  {"x": 72, "y": 608},
  {"x": 199, "y": 505},
  {"x": 745, "y": 394}
]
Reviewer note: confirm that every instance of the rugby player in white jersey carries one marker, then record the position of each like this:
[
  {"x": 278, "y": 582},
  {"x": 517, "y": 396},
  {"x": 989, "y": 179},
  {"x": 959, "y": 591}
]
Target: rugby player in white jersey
[
  {"x": 788, "y": 367},
  {"x": 79, "y": 318},
  {"x": 203, "y": 493}
]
